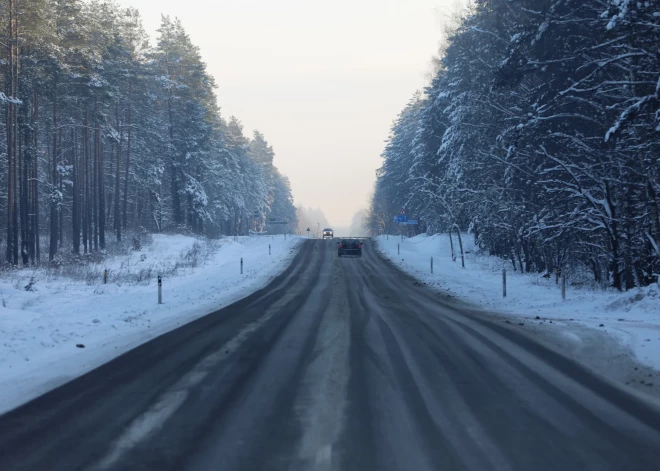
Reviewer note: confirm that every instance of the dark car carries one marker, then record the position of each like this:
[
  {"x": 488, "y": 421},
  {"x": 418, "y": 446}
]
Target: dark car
[{"x": 350, "y": 247}]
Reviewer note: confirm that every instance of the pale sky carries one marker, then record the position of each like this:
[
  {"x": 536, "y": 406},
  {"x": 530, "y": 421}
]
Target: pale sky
[{"x": 322, "y": 80}]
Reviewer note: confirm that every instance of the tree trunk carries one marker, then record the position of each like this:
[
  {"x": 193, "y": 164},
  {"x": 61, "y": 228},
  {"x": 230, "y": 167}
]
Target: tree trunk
[
  {"x": 190, "y": 218},
  {"x": 60, "y": 212},
  {"x": 460, "y": 244},
  {"x": 75, "y": 216},
  {"x": 128, "y": 154},
  {"x": 526, "y": 253},
  {"x": 24, "y": 154},
  {"x": 139, "y": 205},
  {"x": 654, "y": 206},
  {"x": 101, "y": 177},
  {"x": 53, "y": 202},
  {"x": 174, "y": 184},
  {"x": 16, "y": 137},
  {"x": 85, "y": 175},
  {"x": 10, "y": 125},
  {"x": 26, "y": 189},
  {"x": 117, "y": 221},
  {"x": 109, "y": 194},
  {"x": 34, "y": 188},
  {"x": 95, "y": 171},
  {"x": 614, "y": 239},
  {"x": 595, "y": 268},
  {"x": 176, "y": 200},
  {"x": 451, "y": 244}
]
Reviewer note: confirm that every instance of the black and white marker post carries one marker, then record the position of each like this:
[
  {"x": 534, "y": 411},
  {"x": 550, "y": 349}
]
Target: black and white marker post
[{"x": 160, "y": 289}]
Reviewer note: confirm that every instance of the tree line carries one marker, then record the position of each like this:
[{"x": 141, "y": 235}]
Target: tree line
[
  {"x": 540, "y": 134},
  {"x": 313, "y": 219},
  {"x": 107, "y": 133}
]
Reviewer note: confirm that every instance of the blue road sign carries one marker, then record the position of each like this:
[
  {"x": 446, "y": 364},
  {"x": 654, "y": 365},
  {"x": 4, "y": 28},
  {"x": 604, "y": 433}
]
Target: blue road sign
[
  {"x": 402, "y": 218},
  {"x": 411, "y": 222}
]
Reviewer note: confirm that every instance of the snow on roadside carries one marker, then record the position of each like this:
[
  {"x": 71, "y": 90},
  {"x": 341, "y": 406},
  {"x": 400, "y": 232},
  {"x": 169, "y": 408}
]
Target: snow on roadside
[
  {"x": 40, "y": 329},
  {"x": 631, "y": 318}
]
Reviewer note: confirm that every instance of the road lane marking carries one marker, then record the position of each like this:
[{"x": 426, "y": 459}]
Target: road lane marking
[
  {"x": 154, "y": 418},
  {"x": 324, "y": 456},
  {"x": 321, "y": 399},
  {"x": 144, "y": 425}
]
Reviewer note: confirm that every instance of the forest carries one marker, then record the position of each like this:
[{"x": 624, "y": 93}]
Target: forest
[
  {"x": 540, "y": 135},
  {"x": 108, "y": 136}
]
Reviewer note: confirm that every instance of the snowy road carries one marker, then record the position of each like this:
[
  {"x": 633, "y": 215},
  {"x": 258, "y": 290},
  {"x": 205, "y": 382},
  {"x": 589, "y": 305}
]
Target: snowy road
[{"x": 342, "y": 364}]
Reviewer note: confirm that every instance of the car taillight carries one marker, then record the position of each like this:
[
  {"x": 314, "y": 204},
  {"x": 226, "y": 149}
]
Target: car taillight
[
  {"x": 340, "y": 246},
  {"x": 359, "y": 246}
]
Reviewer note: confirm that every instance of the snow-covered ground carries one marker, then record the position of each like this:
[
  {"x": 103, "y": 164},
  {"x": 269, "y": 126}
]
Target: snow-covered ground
[
  {"x": 41, "y": 328},
  {"x": 631, "y": 318}
]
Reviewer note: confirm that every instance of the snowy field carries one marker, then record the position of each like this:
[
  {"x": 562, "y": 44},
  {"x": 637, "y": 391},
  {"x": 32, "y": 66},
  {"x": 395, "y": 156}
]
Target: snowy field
[
  {"x": 41, "y": 328},
  {"x": 631, "y": 318}
]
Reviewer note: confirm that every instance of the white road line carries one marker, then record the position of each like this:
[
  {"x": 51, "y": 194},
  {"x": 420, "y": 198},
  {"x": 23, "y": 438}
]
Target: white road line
[
  {"x": 321, "y": 400},
  {"x": 170, "y": 401},
  {"x": 151, "y": 420},
  {"x": 324, "y": 456}
]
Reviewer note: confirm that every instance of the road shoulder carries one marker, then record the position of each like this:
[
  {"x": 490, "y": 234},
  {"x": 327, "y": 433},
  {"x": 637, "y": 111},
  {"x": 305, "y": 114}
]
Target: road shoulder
[
  {"x": 602, "y": 344},
  {"x": 65, "y": 328}
]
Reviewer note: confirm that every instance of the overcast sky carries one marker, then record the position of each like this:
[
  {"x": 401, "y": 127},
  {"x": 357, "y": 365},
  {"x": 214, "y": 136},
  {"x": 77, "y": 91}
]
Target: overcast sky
[{"x": 322, "y": 80}]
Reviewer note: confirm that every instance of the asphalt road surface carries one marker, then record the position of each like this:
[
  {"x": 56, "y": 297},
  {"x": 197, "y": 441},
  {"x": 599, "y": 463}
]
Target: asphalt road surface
[{"x": 339, "y": 364}]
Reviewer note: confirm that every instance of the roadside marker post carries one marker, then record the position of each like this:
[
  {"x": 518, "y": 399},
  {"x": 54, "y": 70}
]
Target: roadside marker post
[
  {"x": 398, "y": 249},
  {"x": 105, "y": 276},
  {"x": 563, "y": 288},
  {"x": 268, "y": 249},
  {"x": 160, "y": 289},
  {"x": 431, "y": 265},
  {"x": 241, "y": 265},
  {"x": 504, "y": 282}
]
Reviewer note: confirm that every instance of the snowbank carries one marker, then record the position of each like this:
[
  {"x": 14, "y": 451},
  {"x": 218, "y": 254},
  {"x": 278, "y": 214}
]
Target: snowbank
[
  {"x": 40, "y": 329},
  {"x": 631, "y": 318}
]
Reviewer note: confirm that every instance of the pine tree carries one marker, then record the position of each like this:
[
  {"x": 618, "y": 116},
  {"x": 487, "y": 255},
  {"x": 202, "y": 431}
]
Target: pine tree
[{"x": 117, "y": 135}]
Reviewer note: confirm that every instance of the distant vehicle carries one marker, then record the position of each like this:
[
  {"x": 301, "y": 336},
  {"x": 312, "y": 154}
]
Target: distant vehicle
[
  {"x": 328, "y": 233},
  {"x": 350, "y": 247}
]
